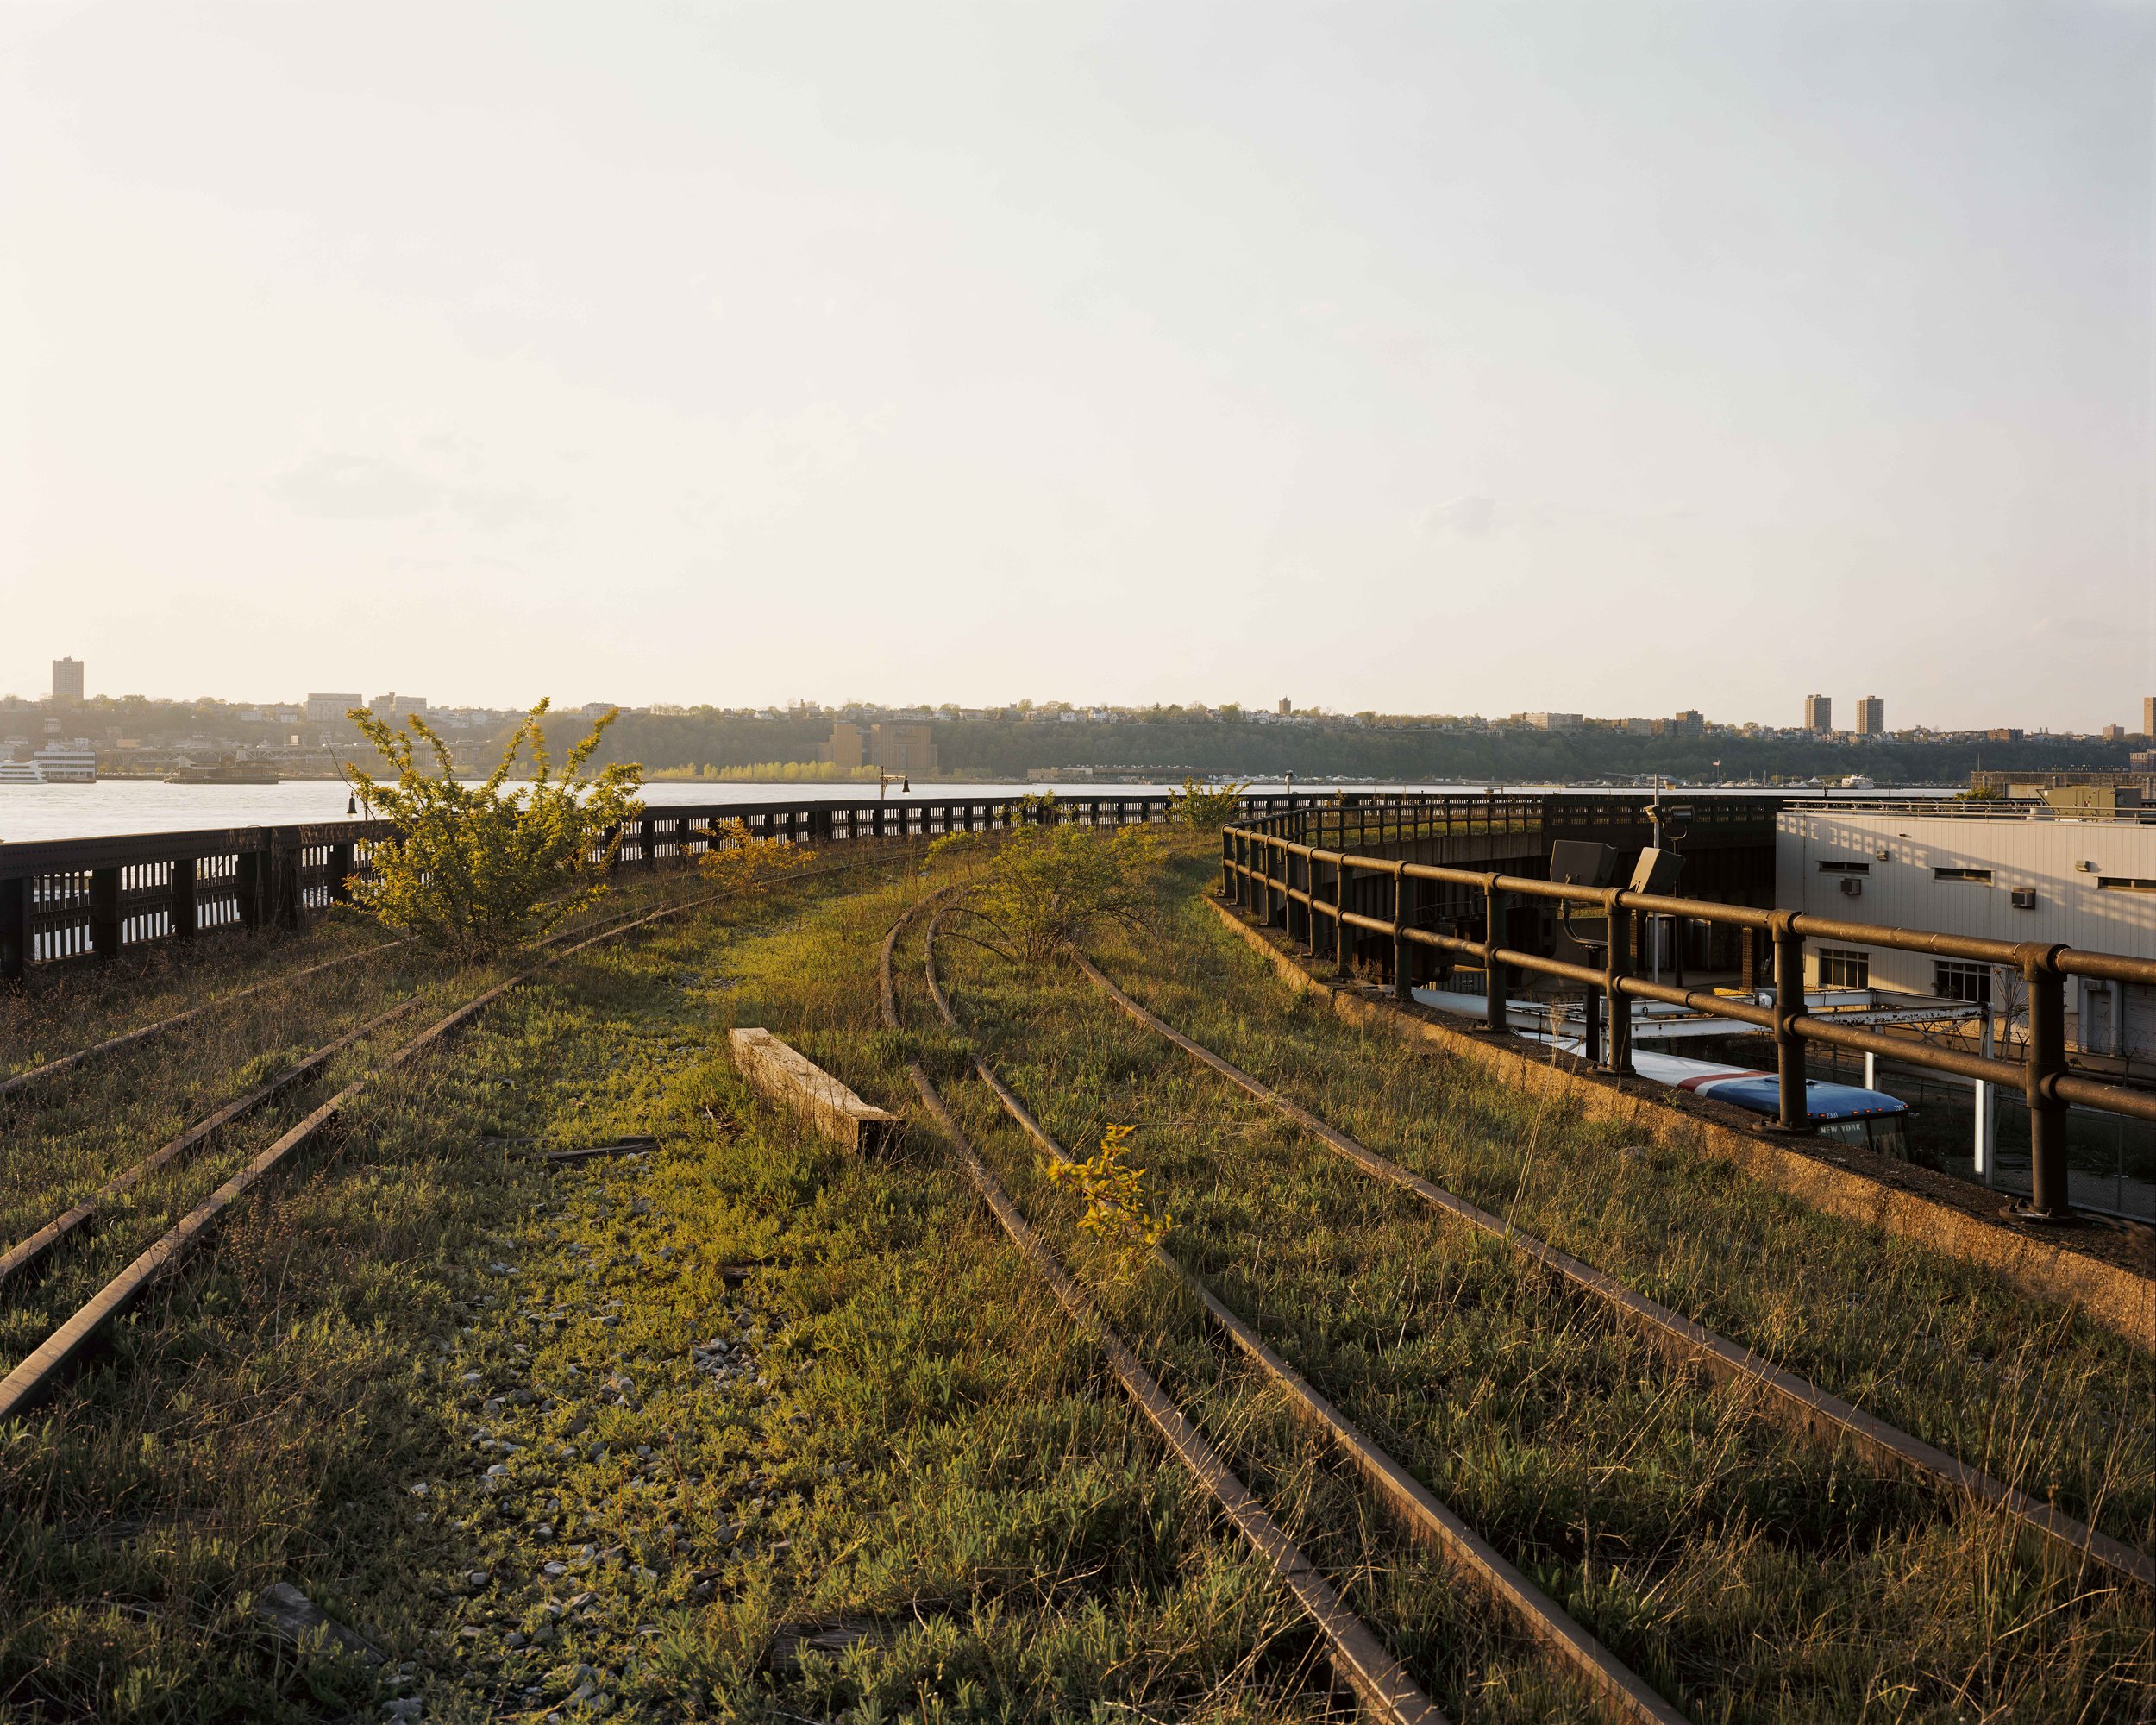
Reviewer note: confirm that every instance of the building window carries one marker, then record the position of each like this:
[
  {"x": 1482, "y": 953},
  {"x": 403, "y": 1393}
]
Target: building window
[
  {"x": 1952, "y": 979},
  {"x": 1981, "y": 877},
  {"x": 1828, "y": 868},
  {"x": 2123, "y": 883},
  {"x": 1843, "y": 966}
]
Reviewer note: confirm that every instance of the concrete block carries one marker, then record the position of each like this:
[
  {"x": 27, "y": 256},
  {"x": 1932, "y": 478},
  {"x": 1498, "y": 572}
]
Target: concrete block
[{"x": 786, "y": 1080}]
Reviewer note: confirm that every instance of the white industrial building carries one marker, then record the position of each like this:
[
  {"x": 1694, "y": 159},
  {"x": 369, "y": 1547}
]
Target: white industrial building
[{"x": 1997, "y": 871}]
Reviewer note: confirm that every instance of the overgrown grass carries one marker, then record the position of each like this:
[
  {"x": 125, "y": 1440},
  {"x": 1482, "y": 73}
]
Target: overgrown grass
[
  {"x": 70, "y": 1006},
  {"x": 2020, "y": 1387},
  {"x": 1742, "y": 1570},
  {"x": 805, "y": 1440},
  {"x": 900, "y": 1436}
]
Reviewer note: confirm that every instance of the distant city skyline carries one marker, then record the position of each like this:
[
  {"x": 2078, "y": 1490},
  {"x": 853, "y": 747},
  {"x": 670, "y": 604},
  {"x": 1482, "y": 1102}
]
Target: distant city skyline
[
  {"x": 69, "y": 674},
  {"x": 1474, "y": 358}
]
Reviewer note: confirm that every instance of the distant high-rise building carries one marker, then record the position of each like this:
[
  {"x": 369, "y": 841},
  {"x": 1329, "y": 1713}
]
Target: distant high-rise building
[
  {"x": 66, "y": 679},
  {"x": 903, "y": 747},
  {"x": 326, "y": 709},
  {"x": 1287, "y": 707},
  {"x": 2114, "y": 733},
  {"x": 1689, "y": 723},
  {"x": 1550, "y": 721},
  {"x": 1871, "y": 715},
  {"x": 1819, "y": 713},
  {"x": 394, "y": 705},
  {"x": 896, "y": 749},
  {"x": 843, "y": 750},
  {"x": 2148, "y": 717}
]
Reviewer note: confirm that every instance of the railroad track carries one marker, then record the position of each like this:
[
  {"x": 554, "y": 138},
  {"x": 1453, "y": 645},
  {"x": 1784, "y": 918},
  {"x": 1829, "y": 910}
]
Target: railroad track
[
  {"x": 157, "y": 1027},
  {"x": 141, "y": 1033},
  {"x": 1361, "y": 1659},
  {"x": 1620, "y": 1692},
  {"x": 36, "y": 1372},
  {"x": 1803, "y": 1405},
  {"x": 32, "y": 1249}
]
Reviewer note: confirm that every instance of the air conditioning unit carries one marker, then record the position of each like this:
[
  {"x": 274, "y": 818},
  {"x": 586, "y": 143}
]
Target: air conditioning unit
[
  {"x": 1851, "y": 888},
  {"x": 2024, "y": 898}
]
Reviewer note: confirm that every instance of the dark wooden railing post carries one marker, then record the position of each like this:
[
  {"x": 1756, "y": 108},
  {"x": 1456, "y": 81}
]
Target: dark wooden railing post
[
  {"x": 186, "y": 901},
  {"x": 2044, "y": 1061},
  {"x": 16, "y": 937},
  {"x": 1789, "y": 1001},
  {"x": 104, "y": 913},
  {"x": 292, "y": 907},
  {"x": 341, "y": 857},
  {"x": 254, "y": 876}
]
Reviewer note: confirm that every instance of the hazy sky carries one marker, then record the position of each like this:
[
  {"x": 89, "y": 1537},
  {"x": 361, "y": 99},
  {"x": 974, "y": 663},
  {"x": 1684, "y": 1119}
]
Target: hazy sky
[{"x": 1608, "y": 356}]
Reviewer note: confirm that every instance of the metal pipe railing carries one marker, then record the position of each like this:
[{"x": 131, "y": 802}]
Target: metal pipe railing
[{"x": 1273, "y": 848}]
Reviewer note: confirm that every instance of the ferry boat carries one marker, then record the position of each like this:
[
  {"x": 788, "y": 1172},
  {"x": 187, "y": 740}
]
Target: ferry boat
[
  {"x": 20, "y": 773},
  {"x": 67, "y": 763}
]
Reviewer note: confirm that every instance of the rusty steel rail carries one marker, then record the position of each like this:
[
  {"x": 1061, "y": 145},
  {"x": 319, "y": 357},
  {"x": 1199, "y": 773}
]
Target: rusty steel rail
[
  {"x": 1283, "y": 881},
  {"x": 113, "y": 1044},
  {"x": 1379, "y": 1680},
  {"x": 1425, "y": 1517},
  {"x": 35, "y": 1372},
  {"x": 28, "y": 1251},
  {"x": 1811, "y": 1408}
]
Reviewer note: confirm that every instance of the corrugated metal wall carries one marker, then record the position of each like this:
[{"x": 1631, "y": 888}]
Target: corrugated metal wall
[{"x": 1895, "y": 860}]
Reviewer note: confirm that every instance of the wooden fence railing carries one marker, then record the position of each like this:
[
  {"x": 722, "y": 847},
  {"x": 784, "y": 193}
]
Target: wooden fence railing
[{"x": 70, "y": 899}]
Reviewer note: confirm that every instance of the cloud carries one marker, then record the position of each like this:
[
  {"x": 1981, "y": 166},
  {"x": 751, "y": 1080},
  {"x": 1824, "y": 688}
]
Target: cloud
[
  {"x": 355, "y": 488},
  {"x": 2069, "y": 627},
  {"x": 1471, "y": 518},
  {"x": 347, "y": 487}
]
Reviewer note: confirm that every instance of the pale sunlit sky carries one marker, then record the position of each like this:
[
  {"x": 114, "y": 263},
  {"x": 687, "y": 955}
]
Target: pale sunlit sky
[{"x": 1608, "y": 356}]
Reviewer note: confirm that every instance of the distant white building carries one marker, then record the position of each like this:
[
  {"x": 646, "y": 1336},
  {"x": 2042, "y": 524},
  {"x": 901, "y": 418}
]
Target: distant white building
[
  {"x": 71, "y": 762},
  {"x": 326, "y": 708},
  {"x": 2010, "y": 872}
]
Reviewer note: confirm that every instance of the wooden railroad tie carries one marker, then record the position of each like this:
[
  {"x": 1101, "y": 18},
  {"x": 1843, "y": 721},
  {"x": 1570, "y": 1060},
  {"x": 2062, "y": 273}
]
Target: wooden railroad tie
[{"x": 789, "y": 1081}]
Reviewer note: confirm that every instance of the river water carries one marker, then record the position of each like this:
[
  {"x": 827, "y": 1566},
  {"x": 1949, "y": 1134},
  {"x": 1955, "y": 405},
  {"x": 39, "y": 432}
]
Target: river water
[{"x": 129, "y": 806}]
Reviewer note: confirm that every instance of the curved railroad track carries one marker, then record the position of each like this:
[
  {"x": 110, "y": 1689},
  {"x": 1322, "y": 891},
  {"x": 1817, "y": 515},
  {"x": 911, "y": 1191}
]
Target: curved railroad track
[
  {"x": 1379, "y": 1682},
  {"x": 1802, "y": 1404},
  {"x": 1419, "y": 1513},
  {"x": 32, "y": 1375}
]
